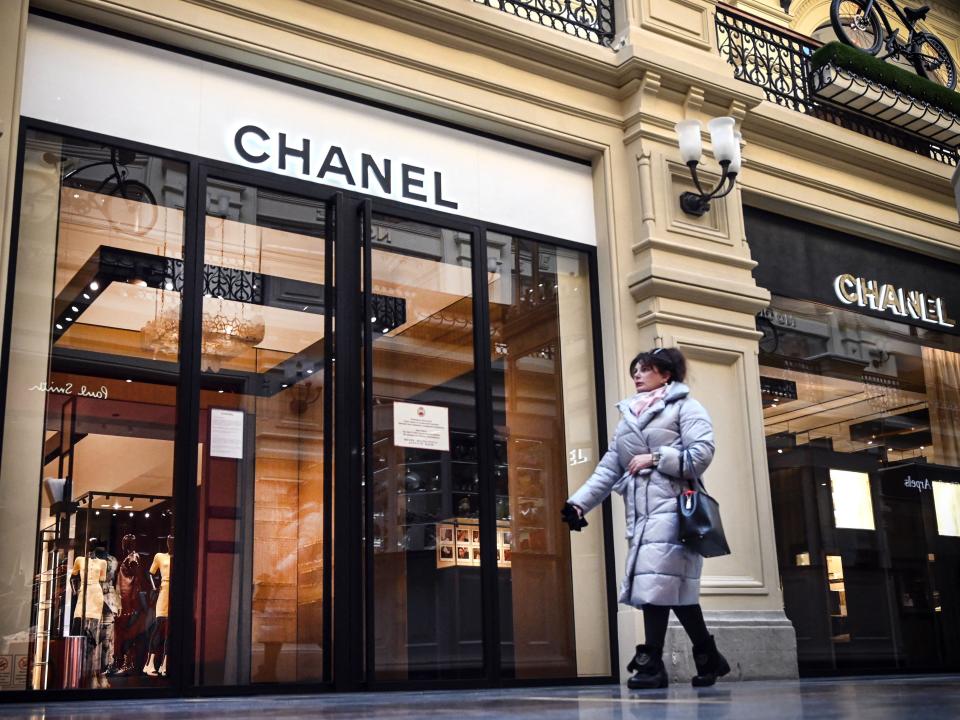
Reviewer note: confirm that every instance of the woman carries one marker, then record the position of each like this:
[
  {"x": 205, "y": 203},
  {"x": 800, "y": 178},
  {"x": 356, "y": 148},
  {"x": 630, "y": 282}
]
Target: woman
[{"x": 663, "y": 433}]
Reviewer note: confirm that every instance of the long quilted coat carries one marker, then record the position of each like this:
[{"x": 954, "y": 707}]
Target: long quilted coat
[{"x": 659, "y": 570}]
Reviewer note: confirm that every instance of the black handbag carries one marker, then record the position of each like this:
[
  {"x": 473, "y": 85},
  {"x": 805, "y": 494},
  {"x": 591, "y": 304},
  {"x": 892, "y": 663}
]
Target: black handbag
[{"x": 700, "y": 527}]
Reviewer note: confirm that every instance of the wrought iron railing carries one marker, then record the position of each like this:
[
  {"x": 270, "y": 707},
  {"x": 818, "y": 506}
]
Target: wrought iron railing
[
  {"x": 778, "y": 61},
  {"x": 587, "y": 19}
]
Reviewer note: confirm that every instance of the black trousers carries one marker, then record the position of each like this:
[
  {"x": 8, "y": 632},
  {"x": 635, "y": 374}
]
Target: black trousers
[{"x": 655, "y": 619}]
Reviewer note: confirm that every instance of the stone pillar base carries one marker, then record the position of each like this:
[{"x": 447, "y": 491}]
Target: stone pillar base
[{"x": 759, "y": 645}]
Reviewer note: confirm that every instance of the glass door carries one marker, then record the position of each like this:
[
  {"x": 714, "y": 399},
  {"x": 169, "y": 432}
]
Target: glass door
[
  {"x": 422, "y": 448},
  {"x": 264, "y": 456}
]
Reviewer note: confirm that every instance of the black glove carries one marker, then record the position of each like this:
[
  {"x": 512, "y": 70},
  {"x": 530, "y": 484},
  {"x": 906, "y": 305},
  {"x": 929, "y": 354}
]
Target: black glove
[{"x": 572, "y": 518}]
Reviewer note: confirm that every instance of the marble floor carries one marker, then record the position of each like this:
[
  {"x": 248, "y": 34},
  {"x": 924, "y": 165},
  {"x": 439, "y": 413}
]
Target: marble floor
[{"x": 913, "y": 698}]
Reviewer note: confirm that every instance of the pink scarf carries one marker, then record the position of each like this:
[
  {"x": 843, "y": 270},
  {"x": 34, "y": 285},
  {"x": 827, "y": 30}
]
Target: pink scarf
[{"x": 645, "y": 399}]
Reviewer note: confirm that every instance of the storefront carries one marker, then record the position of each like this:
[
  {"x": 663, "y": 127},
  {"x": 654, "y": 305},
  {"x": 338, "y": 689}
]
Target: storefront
[
  {"x": 341, "y": 360},
  {"x": 860, "y": 375}
]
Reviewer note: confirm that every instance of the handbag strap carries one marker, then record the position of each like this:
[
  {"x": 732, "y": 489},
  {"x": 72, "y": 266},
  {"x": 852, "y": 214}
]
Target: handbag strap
[{"x": 692, "y": 482}]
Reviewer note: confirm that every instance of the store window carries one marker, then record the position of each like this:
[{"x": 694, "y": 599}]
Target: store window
[
  {"x": 157, "y": 327},
  {"x": 87, "y": 470},
  {"x": 862, "y": 421}
]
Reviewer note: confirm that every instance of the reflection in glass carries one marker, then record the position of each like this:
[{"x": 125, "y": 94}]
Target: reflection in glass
[
  {"x": 863, "y": 425},
  {"x": 428, "y": 617},
  {"x": 89, "y": 420},
  {"x": 262, "y": 476},
  {"x": 546, "y": 438}
]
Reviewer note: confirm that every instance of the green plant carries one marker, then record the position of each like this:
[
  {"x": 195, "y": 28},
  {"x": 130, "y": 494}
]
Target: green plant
[{"x": 896, "y": 78}]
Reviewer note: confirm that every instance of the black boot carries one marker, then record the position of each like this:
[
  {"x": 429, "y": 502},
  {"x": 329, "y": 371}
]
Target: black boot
[
  {"x": 710, "y": 664},
  {"x": 647, "y": 668}
]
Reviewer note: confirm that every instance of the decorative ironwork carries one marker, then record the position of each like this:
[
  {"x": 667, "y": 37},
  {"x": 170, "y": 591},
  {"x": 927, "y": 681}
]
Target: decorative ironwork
[
  {"x": 778, "y": 61},
  {"x": 586, "y": 19}
]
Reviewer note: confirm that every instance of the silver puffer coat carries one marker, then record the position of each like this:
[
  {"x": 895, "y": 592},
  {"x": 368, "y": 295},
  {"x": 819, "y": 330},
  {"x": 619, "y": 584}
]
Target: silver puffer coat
[{"x": 659, "y": 570}]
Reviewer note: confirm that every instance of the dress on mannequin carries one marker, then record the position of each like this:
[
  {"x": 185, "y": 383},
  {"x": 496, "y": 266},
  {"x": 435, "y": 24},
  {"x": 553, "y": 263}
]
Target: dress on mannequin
[
  {"x": 111, "y": 606},
  {"x": 161, "y": 565},
  {"x": 89, "y": 572},
  {"x": 130, "y": 623},
  {"x": 157, "y": 661}
]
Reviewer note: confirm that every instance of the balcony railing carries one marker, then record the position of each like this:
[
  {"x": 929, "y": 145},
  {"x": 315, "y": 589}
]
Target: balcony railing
[
  {"x": 586, "y": 19},
  {"x": 778, "y": 61}
]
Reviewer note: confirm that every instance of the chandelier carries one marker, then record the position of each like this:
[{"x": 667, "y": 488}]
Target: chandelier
[
  {"x": 226, "y": 332},
  {"x": 229, "y": 327}
]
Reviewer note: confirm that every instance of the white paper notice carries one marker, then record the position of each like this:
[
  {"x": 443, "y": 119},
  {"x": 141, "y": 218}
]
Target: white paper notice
[
  {"x": 421, "y": 426},
  {"x": 226, "y": 433}
]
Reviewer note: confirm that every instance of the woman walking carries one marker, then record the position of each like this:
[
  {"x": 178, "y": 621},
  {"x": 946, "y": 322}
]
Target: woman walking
[{"x": 664, "y": 438}]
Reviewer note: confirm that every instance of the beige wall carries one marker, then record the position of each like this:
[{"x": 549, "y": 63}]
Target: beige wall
[{"x": 664, "y": 277}]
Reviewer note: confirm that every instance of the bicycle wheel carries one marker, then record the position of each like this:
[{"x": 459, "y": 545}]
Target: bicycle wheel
[
  {"x": 932, "y": 61},
  {"x": 856, "y": 27},
  {"x": 139, "y": 214}
]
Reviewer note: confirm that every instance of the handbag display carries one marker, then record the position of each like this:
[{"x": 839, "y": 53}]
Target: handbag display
[{"x": 700, "y": 527}]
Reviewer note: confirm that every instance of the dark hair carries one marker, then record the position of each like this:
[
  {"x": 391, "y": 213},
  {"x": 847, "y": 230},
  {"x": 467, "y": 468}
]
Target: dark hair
[{"x": 665, "y": 360}]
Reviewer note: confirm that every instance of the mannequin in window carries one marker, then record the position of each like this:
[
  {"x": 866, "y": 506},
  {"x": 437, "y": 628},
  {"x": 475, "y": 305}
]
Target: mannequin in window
[
  {"x": 157, "y": 661},
  {"x": 111, "y": 606},
  {"x": 130, "y": 623},
  {"x": 85, "y": 579}
]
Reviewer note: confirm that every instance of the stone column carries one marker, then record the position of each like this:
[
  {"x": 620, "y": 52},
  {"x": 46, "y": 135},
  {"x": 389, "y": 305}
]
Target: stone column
[
  {"x": 690, "y": 279},
  {"x": 13, "y": 37}
]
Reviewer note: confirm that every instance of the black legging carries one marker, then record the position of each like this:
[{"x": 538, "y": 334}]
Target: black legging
[{"x": 655, "y": 619}]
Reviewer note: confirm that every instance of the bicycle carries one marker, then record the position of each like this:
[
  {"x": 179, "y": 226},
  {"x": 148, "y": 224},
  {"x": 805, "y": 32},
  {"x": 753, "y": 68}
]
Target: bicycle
[
  {"x": 117, "y": 184},
  {"x": 858, "y": 24}
]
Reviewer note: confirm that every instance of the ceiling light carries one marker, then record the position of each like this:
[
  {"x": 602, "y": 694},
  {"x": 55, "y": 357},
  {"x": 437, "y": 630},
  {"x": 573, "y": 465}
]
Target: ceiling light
[
  {"x": 373, "y": 319},
  {"x": 96, "y": 512},
  {"x": 780, "y": 451},
  {"x": 168, "y": 285},
  {"x": 94, "y": 286},
  {"x": 59, "y": 326},
  {"x": 75, "y": 308},
  {"x": 146, "y": 514},
  {"x": 385, "y": 331},
  {"x": 309, "y": 372},
  {"x": 129, "y": 380},
  {"x": 220, "y": 392},
  {"x": 69, "y": 319},
  {"x": 86, "y": 297},
  {"x": 284, "y": 385}
]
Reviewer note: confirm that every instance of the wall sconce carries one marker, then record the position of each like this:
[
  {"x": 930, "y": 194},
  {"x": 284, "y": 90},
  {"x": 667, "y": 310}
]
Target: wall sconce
[{"x": 726, "y": 148}]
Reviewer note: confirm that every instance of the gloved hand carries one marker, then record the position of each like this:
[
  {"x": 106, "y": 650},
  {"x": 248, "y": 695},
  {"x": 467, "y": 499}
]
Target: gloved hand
[{"x": 573, "y": 518}]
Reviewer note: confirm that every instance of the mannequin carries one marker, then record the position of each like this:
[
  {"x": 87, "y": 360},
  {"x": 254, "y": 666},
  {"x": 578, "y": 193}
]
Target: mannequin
[
  {"x": 85, "y": 578},
  {"x": 110, "y": 608},
  {"x": 157, "y": 662},
  {"x": 130, "y": 622}
]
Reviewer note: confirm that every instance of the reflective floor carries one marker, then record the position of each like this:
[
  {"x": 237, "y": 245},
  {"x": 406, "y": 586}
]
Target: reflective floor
[{"x": 916, "y": 697}]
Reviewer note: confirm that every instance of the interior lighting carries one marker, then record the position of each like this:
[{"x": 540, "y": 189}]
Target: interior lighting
[
  {"x": 86, "y": 297},
  {"x": 129, "y": 380},
  {"x": 726, "y": 149},
  {"x": 59, "y": 326},
  {"x": 94, "y": 286},
  {"x": 75, "y": 308}
]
